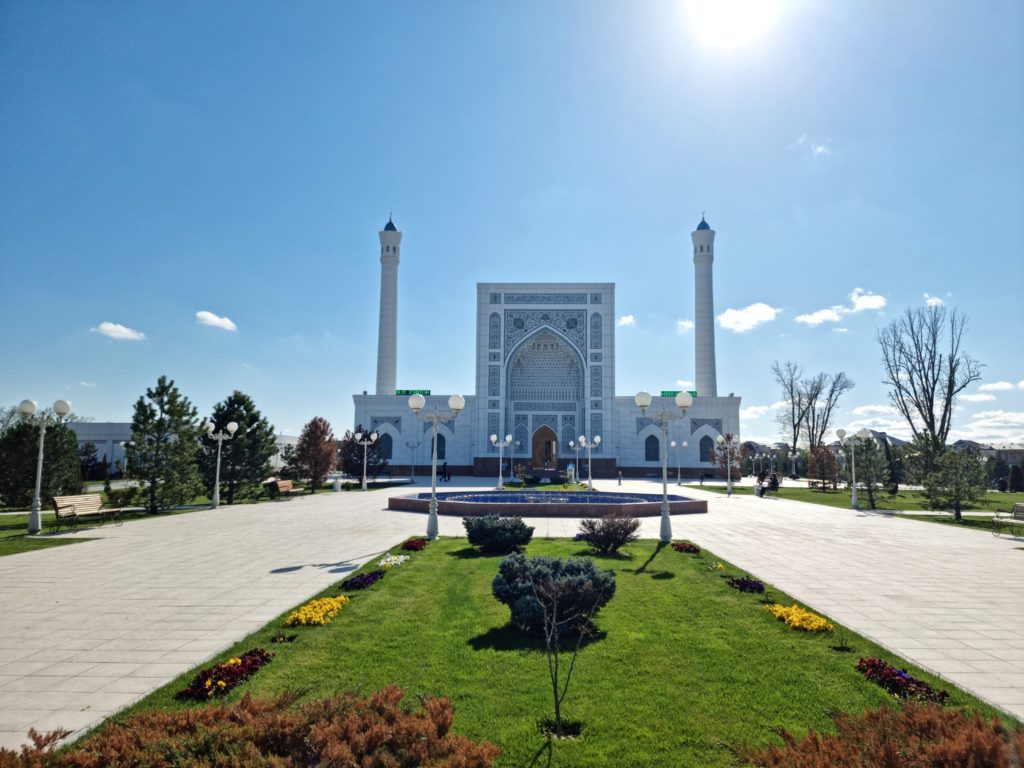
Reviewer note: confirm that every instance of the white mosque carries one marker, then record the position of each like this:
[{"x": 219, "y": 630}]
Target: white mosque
[{"x": 545, "y": 374}]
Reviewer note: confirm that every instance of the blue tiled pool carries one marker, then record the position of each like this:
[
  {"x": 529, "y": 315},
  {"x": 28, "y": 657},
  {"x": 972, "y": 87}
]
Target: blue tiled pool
[{"x": 550, "y": 497}]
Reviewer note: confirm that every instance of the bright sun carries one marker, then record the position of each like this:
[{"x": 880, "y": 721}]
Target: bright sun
[{"x": 731, "y": 23}]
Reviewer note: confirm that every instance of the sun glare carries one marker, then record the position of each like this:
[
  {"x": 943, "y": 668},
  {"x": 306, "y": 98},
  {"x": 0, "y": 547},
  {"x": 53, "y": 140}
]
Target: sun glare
[{"x": 731, "y": 23}]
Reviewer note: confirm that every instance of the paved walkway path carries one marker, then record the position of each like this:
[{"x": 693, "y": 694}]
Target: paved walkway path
[{"x": 88, "y": 629}]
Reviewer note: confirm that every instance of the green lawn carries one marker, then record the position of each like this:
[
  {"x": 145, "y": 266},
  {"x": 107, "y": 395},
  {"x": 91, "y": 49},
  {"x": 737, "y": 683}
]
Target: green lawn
[
  {"x": 904, "y": 501},
  {"x": 686, "y": 668},
  {"x": 14, "y": 535}
]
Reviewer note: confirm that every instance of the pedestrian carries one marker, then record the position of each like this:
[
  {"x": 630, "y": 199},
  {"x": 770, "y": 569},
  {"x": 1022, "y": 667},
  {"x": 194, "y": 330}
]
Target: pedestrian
[
  {"x": 620, "y": 477},
  {"x": 444, "y": 472}
]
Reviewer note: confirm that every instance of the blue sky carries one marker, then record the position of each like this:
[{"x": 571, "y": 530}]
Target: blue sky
[{"x": 164, "y": 159}]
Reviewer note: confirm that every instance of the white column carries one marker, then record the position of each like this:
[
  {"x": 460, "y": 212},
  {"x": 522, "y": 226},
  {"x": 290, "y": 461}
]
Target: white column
[
  {"x": 704, "y": 310},
  {"x": 387, "y": 333}
]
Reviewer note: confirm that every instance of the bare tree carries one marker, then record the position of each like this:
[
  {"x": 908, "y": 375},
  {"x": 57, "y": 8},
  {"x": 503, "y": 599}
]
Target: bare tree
[
  {"x": 787, "y": 375},
  {"x": 926, "y": 369},
  {"x": 821, "y": 394}
]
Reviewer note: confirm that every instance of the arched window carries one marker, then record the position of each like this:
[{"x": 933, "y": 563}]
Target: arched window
[
  {"x": 384, "y": 445},
  {"x": 494, "y": 331},
  {"x": 707, "y": 446},
  {"x": 652, "y": 449},
  {"x": 441, "y": 447}
]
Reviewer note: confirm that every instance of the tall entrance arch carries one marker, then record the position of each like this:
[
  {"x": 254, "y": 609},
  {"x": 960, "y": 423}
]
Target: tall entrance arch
[{"x": 544, "y": 448}]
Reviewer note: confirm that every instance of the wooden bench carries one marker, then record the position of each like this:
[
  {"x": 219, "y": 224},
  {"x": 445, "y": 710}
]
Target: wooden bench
[
  {"x": 278, "y": 488},
  {"x": 71, "y": 509},
  {"x": 1006, "y": 522},
  {"x": 822, "y": 485}
]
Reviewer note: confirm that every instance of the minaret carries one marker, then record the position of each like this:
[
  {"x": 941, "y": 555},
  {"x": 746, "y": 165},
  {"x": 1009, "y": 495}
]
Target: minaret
[
  {"x": 703, "y": 257},
  {"x": 387, "y": 333}
]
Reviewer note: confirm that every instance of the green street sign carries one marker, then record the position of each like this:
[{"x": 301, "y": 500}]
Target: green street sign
[
  {"x": 674, "y": 392},
  {"x": 412, "y": 391}
]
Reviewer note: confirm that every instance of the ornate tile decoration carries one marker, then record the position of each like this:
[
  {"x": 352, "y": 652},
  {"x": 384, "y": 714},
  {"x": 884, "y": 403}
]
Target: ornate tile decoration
[
  {"x": 595, "y": 405},
  {"x": 494, "y": 357},
  {"x": 596, "y": 427},
  {"x": 545, "y": 298},
  {"x": 545, "y": 406},
  {"x": 494, "y": 331},
  {"x": 715, "y": 424},
  {"x": 449, "y": 424},
  {"x": 545, "y": 421},
  {"x": 643, "y": 423},
  {"x": 596, "y": 357},
  {"x": 521, "y": 322},
  {"x": 568, "y": 433},
  {"x": 495, "y": 298},
  {"x": 494, "y": 404},
  {"x": 492, "y": 429},
  {"x": 595, "y": 331},
  {"x": 595, "y": 298},
  {"x": 394, "y": 421},
  {"x": 521, "y": 434},
  {"x": 493, "y": 380},
  {"x": 595, "y": 381}
]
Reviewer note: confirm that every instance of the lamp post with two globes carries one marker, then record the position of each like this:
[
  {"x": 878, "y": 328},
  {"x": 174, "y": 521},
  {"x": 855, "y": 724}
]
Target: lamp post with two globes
[
  {"x": 502, "y": 445},
  {"x": 576, "y": 467},
  {"x": 663, "y": 418},
  {"x": 413, "y": 448},
  {"x": 370, "y": 440},
  {"x": 435, "y": 420},
  {"x": 593, "y": 443},
  {"x": 28, "y": 408},
  {"x": 679, "y": 456},
  {"x": 862, "y": 435},
  {"x": 220, "y": 437}
]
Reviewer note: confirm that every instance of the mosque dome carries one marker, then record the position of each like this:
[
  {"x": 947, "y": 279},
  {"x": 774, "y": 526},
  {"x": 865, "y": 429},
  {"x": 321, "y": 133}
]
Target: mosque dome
[
  {"x": 703, "y": 224},
  {"x": 390, "y": 226}
]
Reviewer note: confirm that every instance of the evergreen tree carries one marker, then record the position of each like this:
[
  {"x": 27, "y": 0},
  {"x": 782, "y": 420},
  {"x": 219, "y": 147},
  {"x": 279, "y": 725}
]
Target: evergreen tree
[
  {"x": 350, "y": 455},
  {"x": 958, "y": 479},
  {"x": 316, "y": 453},
  {"x": 245, "y": 459},
  {"x": 1016, "y": 483},
  {"x": 165, "y": 437},
  {"x": 90, "y": 465},
  {"x": 19, "y": 454},
  {"x": 872, "y": 468}
]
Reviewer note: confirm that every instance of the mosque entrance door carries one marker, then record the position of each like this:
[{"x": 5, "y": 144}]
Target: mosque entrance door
[{"x": 545, "y": 449}]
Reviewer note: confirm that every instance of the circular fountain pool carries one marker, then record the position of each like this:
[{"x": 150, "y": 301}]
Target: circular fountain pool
[{"x": 546, "y": 503}]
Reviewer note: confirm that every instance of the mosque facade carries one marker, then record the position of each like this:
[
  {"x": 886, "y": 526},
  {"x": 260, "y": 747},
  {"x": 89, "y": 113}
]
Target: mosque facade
[{"x": 545, "y": 375}]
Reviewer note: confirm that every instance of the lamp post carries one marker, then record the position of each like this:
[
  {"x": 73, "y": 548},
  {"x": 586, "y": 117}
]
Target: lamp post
[
  {"x": 28, "y": 408},
  {"x": 576, "y": 471},
  {"x": 726, "y": 444},
  {"x": 413, "y": 447},
  {"x": 863, "y": 434},
  {"x": 125, "y": 444},
  {"x": 435, "y": 420},
  {"x": 220, "y": 437},
  {"x": 370, "y": 440},
  {"x": 502, "y": 445},
  {"x": 590, "y": 445},
  {"x": 683, "y": 402}
]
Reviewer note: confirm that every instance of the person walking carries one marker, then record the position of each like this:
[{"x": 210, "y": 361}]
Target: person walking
[
  {"x": 444, "y": 472},
  {"x": 620, "y": 477}
]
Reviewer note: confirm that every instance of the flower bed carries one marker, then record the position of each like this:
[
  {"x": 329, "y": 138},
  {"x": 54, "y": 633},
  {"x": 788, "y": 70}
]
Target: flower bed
[
  {"x": 747, "y": 584},
  {"x": 899, "y": 682},
  {"x": 799, "y": 618},
  {"x": 221, "y": 678},
  {"x": 414, "y": 545},
  {"x": 316, "y": 613},
  {"x": 685, "y": 546},
  {"x": 392, "y": 561},
  {"x": 363, "y": 580}
]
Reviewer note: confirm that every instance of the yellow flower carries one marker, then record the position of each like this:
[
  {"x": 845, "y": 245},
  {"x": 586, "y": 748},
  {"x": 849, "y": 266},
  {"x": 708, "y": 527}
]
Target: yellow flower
[
  {"x": 798, "y": 618},
  {"x": 316, "y": 612}
]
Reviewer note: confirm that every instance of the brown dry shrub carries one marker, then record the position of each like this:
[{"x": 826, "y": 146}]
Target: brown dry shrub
[
  {"x": 347, "y": 730},
  {"x": 918, "y": 736}
]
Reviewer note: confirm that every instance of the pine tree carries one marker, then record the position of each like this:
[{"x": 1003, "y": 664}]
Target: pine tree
[
  {"x": 317, "y": 451},
  {"x": 245, "y": 459},
  {"x": 350, "y": 455},
  {"x": 19, "y": 454},
  {"x": 958, "y": 479},
  {"x": 165, "y": 437},
  {"x": 90, "y": 464},
  {"x": 872, "y": 468}
]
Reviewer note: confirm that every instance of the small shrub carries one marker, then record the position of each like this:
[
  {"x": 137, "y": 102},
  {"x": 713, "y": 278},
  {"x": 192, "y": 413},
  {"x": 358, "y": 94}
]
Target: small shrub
[
  {"x": 414, "y": 545},
  {"x": 899, "y": 683},
  {"x": 316, "y": 613},
  {"x": 799, "y": 618},
  {"x": 747, "y": 584},
  {"x": 219, "y": 679},
  {"x": 121, "y": 497},
  {"x": 363, "y": 580},
  {"x": 685, "y": 546},
  {"x": 609, "y": 533},
  {"x": 343, "y": 730},
  {"x": 915, "y": 737},
  {"x": 577, "y": 579},
  {"x": 497, "y": 535}
]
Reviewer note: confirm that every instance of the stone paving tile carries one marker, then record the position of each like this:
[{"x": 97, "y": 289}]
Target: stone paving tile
[{"x": 923, "y": 590}]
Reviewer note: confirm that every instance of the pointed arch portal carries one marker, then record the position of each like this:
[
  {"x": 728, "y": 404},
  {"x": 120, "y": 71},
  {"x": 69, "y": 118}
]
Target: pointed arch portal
[{"x": 544, "y": 448}]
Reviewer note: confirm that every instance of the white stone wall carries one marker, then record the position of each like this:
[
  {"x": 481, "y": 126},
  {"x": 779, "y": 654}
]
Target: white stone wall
[{"x": 390, "y": 414}]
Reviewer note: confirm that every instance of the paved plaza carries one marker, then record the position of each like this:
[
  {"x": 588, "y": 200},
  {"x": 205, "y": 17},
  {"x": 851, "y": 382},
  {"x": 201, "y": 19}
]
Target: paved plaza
[{"x": 90, "y": 628}]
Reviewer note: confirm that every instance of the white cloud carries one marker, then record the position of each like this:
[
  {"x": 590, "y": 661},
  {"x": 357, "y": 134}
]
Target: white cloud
[
  {"x": 933, "y": 301},
  {"x": 821, "y": 316},
  {"x": 840, "y": 330},
  {"x": 996, "y": 386},
  {"x": 684, "y": 383},
  {"x": 118, "y": 331},
  {"x": 874, "y": 410},
  {"x": 754, "y": 411},
  {"x": 1020, "y": 384},
  {"x": 683, "y": 326},
  {"x": 992, "y": 427},
  {"x": 208, "y": 318},
  {"x": 742, "y": 320},
  {"x": 820, "y": 149},
  {"x": 626, "y": 321},
  {"x": 861, "y": 300},
  {"x": 87, "y": 384},
  {"x": 977, "y": 398}
]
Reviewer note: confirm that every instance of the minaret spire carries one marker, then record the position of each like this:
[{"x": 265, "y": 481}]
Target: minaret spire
[
  {"x": 387, "y": 334},
  {"x": 704, "y": 309}
]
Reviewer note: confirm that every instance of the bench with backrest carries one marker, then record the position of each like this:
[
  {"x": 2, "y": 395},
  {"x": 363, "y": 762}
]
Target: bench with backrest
[
  {"x": 278, "y": 488},
  {"x": 1008, "y": 522},
  {"x": 72, "y": 509}
]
